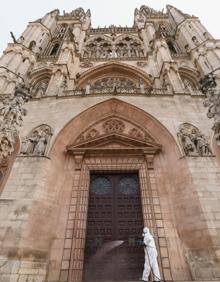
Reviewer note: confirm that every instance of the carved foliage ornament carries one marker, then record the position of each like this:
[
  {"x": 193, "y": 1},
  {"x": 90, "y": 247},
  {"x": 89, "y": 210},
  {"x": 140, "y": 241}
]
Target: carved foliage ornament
[
  {"x": 11, "y": 115},
  {"x": 193, "y": 141},
  {"x": 113, "y": 126},
  {"x": 37, "y": 142},
  {"x": 212, "y": 102}
]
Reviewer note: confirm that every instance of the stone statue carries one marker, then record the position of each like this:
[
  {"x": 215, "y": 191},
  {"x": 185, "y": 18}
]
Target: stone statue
[
  {"x": 41, "y": 90},
  {"x": 142, "y": 86},
  {"x": 28, "y": 145},
  {"x": 150, "y": 250},
  {"x": 139, "y": 19},
  {"x": 88, "y": 87},
  {"x": 42, "y": 143},
  {"x": 86, "y": 20}
]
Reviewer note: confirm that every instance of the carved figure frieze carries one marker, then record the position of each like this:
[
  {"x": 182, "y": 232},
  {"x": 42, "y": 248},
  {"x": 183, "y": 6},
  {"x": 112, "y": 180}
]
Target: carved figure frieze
[
  {"x": 193, "y": 141},
  {"x": 104, "y": 47},
  {"x": 37, "y": 142},
  {"x": 11, "y": 114},
  {"x": 113, "y": 83}
]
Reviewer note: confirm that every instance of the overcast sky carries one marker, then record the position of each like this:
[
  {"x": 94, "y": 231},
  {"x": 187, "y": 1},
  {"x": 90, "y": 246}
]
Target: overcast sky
[{"x": 15, "y": 14}]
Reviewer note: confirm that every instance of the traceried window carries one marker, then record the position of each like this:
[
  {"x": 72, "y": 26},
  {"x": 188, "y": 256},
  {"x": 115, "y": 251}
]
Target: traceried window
[{"x": 104, "y": 47}]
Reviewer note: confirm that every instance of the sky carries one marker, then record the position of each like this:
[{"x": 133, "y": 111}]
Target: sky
[{"x": 15, "y": 14}]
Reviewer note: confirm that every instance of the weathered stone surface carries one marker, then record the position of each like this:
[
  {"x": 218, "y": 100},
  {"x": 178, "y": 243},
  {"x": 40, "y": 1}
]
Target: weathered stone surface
[{"x": 110, "y": 99}]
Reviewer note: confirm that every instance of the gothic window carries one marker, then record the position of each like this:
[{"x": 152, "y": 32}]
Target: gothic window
[
  {"x": 103, "y": 47},
  {"x": 32, "y": 45},
  {"x": 189, "y": 85},
  {"x": 171, "y": 47},
  {"x": 54, "y": 49},
  {"x": 129, "y": 47},
  {"x": 195, "y": 40}
]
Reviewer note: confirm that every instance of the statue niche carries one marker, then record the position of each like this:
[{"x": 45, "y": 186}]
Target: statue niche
[
  {"x": 37, "y": 142},
  {"x": 193, "y": 141},
  {"x": 40, "y": 89}
]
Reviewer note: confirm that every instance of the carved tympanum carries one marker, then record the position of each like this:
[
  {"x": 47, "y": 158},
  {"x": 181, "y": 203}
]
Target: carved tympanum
[
  {"x": 37, "y": 141},
  {"x": 114, "y": 125},
  {"x": 193, "y": 141}
]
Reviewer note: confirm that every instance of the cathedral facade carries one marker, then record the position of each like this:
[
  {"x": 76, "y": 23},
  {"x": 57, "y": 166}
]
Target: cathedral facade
[{"x": 115, "y": 138}]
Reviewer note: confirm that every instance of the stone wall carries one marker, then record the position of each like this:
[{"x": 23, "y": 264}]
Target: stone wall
[{"x": 35, "y": 200}]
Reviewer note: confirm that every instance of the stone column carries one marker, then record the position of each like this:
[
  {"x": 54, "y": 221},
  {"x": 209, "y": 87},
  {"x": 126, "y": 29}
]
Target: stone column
[
  {"x": 15, "y": 62},
  {"x": 174, "y": 79},
  {"x": 6, "y": 58}
]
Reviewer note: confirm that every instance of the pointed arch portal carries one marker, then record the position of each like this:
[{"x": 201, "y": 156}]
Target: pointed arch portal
[{"x": 106, "y": 143}]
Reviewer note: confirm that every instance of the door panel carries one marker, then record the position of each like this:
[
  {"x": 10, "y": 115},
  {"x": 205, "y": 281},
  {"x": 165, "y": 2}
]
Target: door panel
[{"x": 113, "y": 251}]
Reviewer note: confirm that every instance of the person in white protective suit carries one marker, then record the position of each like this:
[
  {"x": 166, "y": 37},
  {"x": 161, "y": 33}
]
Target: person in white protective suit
[{"x": 150, "y": 251}]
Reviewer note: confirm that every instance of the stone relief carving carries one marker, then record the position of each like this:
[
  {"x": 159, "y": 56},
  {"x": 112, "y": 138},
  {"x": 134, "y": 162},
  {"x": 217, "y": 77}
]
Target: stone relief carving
[
  {"x": 137, "y": 134},
  {"x": 193, "y": 141},
  {"x": 12, "y": 114},
  {"x": 86, "y": 64},
  {"x": 141, "y": 64},
  {"x": 93, "y": 133},
  {"x": 113, "y": 126},
  {"x": 37, "y": 141},
  {"x": 114, "y": 82}
]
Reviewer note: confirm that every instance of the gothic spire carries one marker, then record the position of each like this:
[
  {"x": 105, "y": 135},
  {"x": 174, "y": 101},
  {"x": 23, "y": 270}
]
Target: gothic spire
[{"x": 177, "y": 15}]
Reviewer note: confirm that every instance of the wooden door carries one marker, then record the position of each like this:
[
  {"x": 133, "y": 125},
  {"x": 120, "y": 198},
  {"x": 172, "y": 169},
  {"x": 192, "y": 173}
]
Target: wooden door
[{"x": 113, "y": 250}]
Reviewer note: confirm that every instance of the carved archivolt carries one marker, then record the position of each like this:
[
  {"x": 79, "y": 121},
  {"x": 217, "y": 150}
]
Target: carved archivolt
[
  {"x": 193, "y": 141},
  {"x": 114, "y": 125},
  {"x": 37, "y": 141}
]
